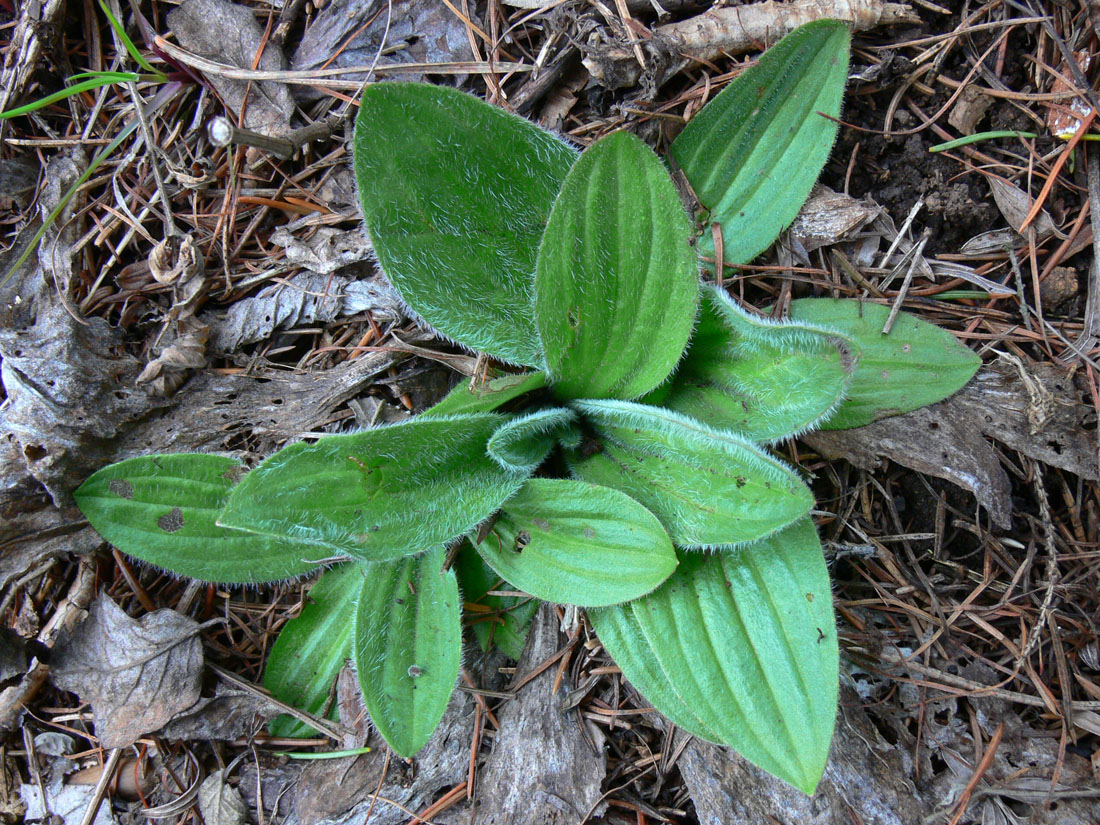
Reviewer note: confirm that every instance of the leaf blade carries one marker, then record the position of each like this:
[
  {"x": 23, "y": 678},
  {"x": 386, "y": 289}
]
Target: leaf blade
[
  {"x": 310, "y": 650},
  {"x": 915, "y": 365},
  {"x": 456, "y": 194},
  {"x": 379, "y": 494},
  {"x": 697, "y": 647},
  {"x": 710, "y": 489},
  {"x": 615, "y": 285},
  {"x": 487, "y": 397},
  {"x": 408, "y": 647},
  {"x": 559, "y": 539},
  {"x": 759, "y": 378},
  {"x": 753, "y": 153},
  {"x": 163, "y": 510}
]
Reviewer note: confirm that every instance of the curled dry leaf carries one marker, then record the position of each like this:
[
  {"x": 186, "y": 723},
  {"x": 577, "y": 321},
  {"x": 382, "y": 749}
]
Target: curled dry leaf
[
  {"x": 167, "y": 372},
  {"x": 731, "y": 30},
  {"x": 1015, "y": 204},
  {"x": 307, "y": 298},
  {"x": 138, "y": 675},
  {"x": 326, "y": 250},
  {"x": 829, "y": 217}
]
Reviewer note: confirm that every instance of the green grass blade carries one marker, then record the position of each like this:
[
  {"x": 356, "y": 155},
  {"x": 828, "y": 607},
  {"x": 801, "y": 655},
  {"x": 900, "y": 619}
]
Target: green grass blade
[
  {"x": 127, "y": 42},
  {"x": 67, "y": 92}
]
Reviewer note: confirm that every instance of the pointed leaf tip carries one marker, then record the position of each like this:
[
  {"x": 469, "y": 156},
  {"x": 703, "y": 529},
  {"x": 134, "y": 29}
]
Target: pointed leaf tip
[
  {"x": 163, "y": 509},
  {"x": 916, "y": 364}
]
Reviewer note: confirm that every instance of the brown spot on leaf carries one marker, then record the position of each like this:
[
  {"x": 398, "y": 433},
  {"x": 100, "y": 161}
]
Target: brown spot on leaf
[
  {"x": 171, "y": 521},
  {"x": 589, "y": 533},
  {"x": 235, "y": 473},
  {"x": 121, "y": 487},
  {"x": 809, "y": 597}
]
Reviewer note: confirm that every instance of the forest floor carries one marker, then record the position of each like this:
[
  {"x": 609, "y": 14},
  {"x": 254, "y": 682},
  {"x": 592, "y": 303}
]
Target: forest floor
[{"x": 963, "y": 540}]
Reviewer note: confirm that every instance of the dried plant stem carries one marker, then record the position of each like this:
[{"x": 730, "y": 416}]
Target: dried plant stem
[{"x": 739, "y": 29}]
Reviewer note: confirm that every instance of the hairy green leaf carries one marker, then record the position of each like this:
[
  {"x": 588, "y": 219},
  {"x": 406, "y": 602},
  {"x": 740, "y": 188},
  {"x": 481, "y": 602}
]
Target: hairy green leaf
[
  {"x": 507, "y": 623},
  {"x": 753, "y": 153},
  {"x": 575, "y": 543},
  {"x": 741, "y": 649},
  {"x": 378, "y": 494},
  {"x": 456, "y": 194},
  {"x": 616, "y": 284},
  {"x": 762, "y": 379},
  {"x": 481, "y": 397},
  {"x": 710, "y": 488},
  {"x": 407, "y": 647},
  {"x": 523, "y": 443},
  {"x": 916, "y": 364},
  {"x": 162, "y": 509},
  {"x": 311, "y": 649}
]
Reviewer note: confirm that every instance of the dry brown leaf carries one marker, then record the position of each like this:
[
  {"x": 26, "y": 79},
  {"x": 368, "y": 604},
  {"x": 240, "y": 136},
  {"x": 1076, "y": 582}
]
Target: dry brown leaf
[
  {"x": 220, "y": 803},
  {"x": 137, "y": 675},
  {"x": 307, "y": 298},
  {"x": 230, "y": 34},
  {"x": 829, "y": 217},
  {"x": 1015, "y": 204},
  {"x": 348, "y": 33}
]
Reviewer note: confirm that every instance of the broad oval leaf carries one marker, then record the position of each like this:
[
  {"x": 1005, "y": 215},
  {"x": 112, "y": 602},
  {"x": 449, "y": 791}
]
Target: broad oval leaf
[
  {"x": 616, "y": 287},
  {"x": 575, "y": 543},
  {"x": 479, "y": 397},
  {"x": 524, "y": 442},
  {"x": 753, "y": 153},
  {"x": 311, "y": 649},
  {"x": 502, "y": 621},
  {"x": 916, "y": 364},
  {"x": 740, "y": 649},
  {"x": 407, "y": 647},
  {"x": 456, "y": 194},
  {"x": 760, "y": 378},
  {"x": 163, "y": 510},
  {"x": 710, "y": 488},
  {"x": 379, "y": 494}
]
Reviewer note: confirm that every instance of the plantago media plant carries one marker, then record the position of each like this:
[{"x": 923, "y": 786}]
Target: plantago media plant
[{"x": 621, "y": 466}]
